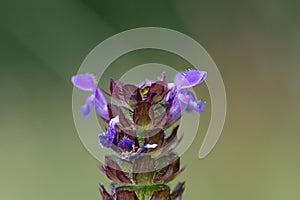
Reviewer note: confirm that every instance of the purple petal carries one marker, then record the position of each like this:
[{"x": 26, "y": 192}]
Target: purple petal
[
  {"x": 104, "y": 141},
  {"x": 184, "y": 100},
  {"x": 84, "y": 82},
  {"x": 85, "y": 109},
  {"x": 189, "y": 78},
  {"x": 185, "y": 96},
  {"x": 171, "y": 95},
  {"x": 199, "y": 106},
  {"x": 126, "y": 144},
  {"x": 111, "y": 132},
  {"x": 100, "y": 104},
  {"x": 176, "y": 110},
  {"x": 107, "y": 139},
  {"x": 192, "y": 104},
  {"x": 100, "y": 97}
]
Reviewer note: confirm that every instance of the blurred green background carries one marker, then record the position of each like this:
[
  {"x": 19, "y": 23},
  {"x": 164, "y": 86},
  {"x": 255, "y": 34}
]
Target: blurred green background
[{"x": 255, "y": 44}]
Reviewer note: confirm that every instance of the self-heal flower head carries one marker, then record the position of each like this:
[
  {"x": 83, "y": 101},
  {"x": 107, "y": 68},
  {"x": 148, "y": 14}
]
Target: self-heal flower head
[
  {"x": 87, "y": 82},
  {"x": 138, "y": 117}
]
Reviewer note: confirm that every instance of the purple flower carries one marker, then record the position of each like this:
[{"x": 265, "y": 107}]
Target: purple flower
[
  {"x": 87, "y": 82},
  {"x": 126, "y": 144},
  {"x": 107, "y": 138},
  {"x": 180, "y": 98}
]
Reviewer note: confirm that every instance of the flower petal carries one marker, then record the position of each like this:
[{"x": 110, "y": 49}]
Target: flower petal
[
  {"x": 189, "y": 78},
  {"x": 171, "y": 94},
  {"x": 111, "y": 132},
  {"x": 107, "y": 139},
  {"x": 100, "y": 104},
  {"x": 85, "y": 109},
  {"x": 104, "y": 141},
  {"x": 185, "y": 96},
  {"x": 190, "y": 100},
  {"x": 100, "y": 97},
  {"x": 126, "y": 144},
  {"x": 175, "y": 110},
  {"x": 197, "y": 106},
  {"x": 84, "y": 82}
]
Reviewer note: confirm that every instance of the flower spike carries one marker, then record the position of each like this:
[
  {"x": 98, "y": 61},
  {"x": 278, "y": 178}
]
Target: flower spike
[{"x": 143, "y": 161}]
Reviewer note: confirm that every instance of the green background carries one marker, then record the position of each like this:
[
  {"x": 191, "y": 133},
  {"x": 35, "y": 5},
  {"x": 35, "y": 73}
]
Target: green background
[{"x": 255, "y": 44}]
